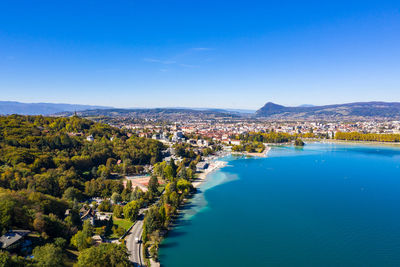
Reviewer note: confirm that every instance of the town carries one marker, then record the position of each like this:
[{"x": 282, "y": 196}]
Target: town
[{"x": 225, "y": 131}]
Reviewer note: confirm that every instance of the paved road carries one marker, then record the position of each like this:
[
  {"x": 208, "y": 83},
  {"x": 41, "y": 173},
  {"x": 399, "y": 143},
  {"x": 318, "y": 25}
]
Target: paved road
[{"x": 134, "y": 248}]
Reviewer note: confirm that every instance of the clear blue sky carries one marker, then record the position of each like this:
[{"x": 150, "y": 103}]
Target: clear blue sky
[{"x": 229, "y": 54}]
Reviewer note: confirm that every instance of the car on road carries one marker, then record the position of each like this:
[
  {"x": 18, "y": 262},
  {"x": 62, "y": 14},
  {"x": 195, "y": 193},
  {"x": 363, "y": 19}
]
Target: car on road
[{"x": 137, "y": 240}]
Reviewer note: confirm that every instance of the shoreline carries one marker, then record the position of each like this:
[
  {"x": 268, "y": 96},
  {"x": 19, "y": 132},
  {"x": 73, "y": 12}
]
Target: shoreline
[
  {"x": 215, "y": 164},
  {"x": 353, "y": 142},
  {"x": 202, "y": 177},
  {"x": 255, "y": 154}
]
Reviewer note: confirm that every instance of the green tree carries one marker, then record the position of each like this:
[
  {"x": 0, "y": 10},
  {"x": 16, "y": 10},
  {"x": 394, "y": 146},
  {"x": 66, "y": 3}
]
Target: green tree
[
  {"x": 80, "y": 241},
  {"x": 136, "y": 194},
  {"x": 131, "y": 211},
  {"x": 116, "y": 198},
  {"x": 105, "y": 206},
  {"x": 48, "y": 255},
  {"x": 72, "y": 193},
  {"x": 118, "y": 211},
  {"x": 104, "y": 255},
  {"x": 60, "y": 242},
  {"x": 5, "y": 259},
  {"x": 153, "y": 184},
  {"x": 298, "y": 142},
  {"x": 6, "y": 213},
  {"x": 83, "y": 239}
]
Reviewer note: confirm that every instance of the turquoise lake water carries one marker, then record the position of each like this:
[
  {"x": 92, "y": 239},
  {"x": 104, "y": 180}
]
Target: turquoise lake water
[{"x": 323, "y": 205}]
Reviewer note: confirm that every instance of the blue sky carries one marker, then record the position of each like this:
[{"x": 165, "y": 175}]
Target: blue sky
[{"x": 227, "y": 54}]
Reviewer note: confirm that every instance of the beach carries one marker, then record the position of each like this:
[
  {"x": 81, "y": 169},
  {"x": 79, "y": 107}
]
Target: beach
[
  {"x": 201, "y": 177},
  {"x": 254, "y": 154},
  {"x": 217, "y": 164}
]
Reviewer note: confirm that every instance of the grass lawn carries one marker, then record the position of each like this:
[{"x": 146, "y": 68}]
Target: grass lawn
[
  {"x": 161, "y": 187},
  {"x": 121, "y": 223}
]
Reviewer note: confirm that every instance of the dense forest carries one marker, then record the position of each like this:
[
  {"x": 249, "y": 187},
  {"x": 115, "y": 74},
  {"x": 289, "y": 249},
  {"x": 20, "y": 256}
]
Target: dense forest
[
  {"x": 51, "y": 155},
  {"x": 49, "y": 166}
]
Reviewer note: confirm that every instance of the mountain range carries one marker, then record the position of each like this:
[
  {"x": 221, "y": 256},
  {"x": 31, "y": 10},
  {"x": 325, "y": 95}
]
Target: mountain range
[
  {"x": 359, "y": 110},
  {"x": 13, "y": 107},
  {"x": 270, "y": 111}
]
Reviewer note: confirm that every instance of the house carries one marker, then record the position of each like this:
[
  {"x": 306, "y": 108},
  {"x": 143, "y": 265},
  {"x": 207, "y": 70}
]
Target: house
[
  {"x": 201, "y": 166},
  {"x": 103, "y": 217},
  {"x": 143, "y": 135},
  {"x": 67, "y": 212},
  {"x": 235, "y": 142},
  {"x": 156, "y": 136},
  {"x": 13, "y": 239},
  {"x": 90, "y": 138},
  {"x": 89, "y": 214},
  {"x": 97, "y": 240},
  {"x": 202, "y": 143}
]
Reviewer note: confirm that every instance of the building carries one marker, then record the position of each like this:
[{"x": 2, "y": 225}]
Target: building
[
  {"x": 202, "y": 143},
  {"x": 13, "y": 239},
  {"x": 89, "y": 214},
  {"x": 235, "y": 142},
  {"x": 201, "y": 166},
  {"x": 90, "y": 138},
  {"x": 97, "y": 240}
]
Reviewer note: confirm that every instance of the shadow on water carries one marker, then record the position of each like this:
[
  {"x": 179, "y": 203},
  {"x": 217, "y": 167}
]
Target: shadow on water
[
  {"x": 188, "y": 206},
  {"x": 179, "y": 223},
  {"x": 176, "y": 233},
  {"x": 168, "y": 245}
]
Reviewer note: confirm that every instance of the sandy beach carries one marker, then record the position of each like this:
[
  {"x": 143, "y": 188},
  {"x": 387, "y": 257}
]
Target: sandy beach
[
  {"x": 217, "y": 164},
  {"x": 262, "y": 154},
  {"x": 201, "y": 177}
]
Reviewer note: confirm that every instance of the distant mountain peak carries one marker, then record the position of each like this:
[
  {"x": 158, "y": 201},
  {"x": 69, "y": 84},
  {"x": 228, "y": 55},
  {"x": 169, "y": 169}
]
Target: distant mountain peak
[
  {"x": 270, "y": 109},
  {"x": 359, "y": 110}
]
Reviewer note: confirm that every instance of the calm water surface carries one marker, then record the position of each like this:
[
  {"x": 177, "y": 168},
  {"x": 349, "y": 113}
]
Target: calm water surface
[{"x": 324, "y": 205}]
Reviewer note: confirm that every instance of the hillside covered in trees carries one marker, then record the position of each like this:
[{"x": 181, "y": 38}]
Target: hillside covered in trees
[
  {"x": 49, "y": 165},
  {"x": 51, "y": 155}
]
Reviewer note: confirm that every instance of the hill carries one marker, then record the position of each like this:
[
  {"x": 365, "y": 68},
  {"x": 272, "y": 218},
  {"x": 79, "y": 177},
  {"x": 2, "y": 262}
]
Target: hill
[
  {"x": 12, "y": 107},
  {"x": 359, "y": 110}
]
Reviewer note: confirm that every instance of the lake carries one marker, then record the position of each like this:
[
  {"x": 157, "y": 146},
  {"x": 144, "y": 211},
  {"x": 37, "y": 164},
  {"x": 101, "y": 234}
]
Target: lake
[{"x": 321, "y": 205}]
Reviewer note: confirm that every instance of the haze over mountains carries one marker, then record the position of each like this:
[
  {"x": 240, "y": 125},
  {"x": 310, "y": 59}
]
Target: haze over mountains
[
  {"x": 13, "y": 107},
  {"x": 359, "y": 110}
]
